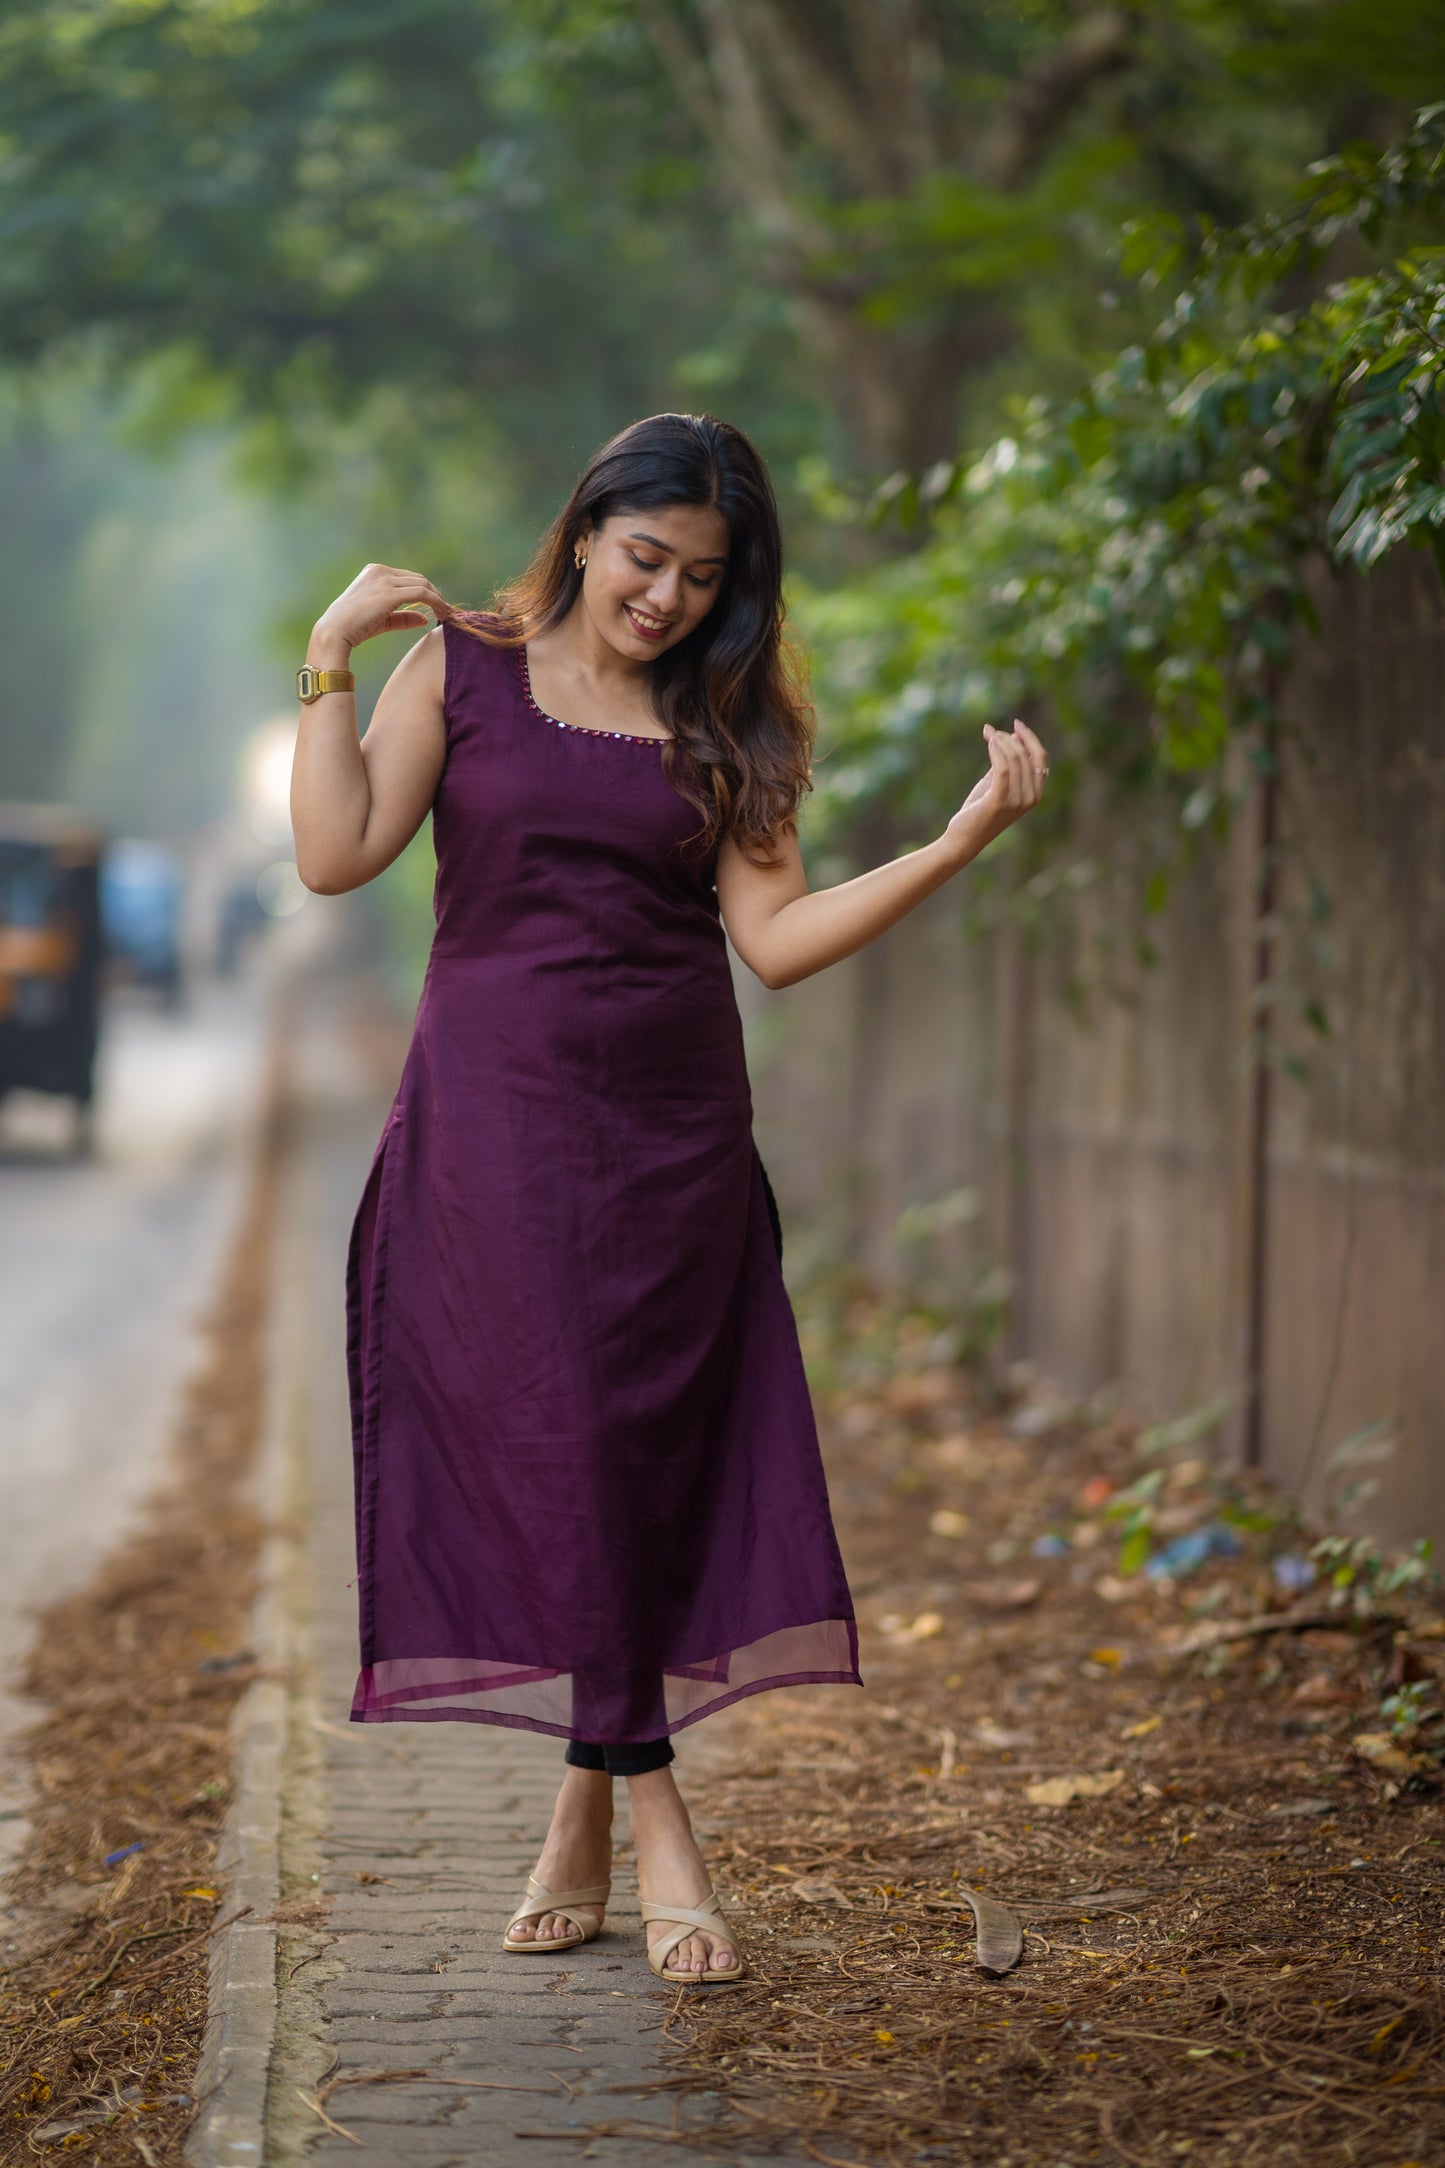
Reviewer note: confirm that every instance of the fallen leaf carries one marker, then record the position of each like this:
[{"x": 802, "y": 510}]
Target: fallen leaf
[
  {"x": 49, "y": 2132},
  {"x": 1381, "y": 1752},
  {"x": 1060, "y": 1791},
  {"x": 307, "y": 1911},
  {"x": 1185, "y": 1472},
  {"x": 1038, "y": 1419},
  {"x": 926, "y": 1627},
  {"x": 1002, "y": 1595},
  {"x": 916, "y": 1391},
  {"x": 945, "y": 1522},
  {"x": 954, "y": 1450},
  {"x": 996, "y": 1735},
  {"x": 1112, "y": 1657},
  {"x": 1303, "y": 1809},
  {"x": 1181, "y": 1520},
  {"x": 815, "y": 1889},
  {"x": 884, "y": 2039},
  {"x": 1142, "y": 1729},
  {"x": 1112, "y": 1589},
  {"x": 1320, "y": 1691}
]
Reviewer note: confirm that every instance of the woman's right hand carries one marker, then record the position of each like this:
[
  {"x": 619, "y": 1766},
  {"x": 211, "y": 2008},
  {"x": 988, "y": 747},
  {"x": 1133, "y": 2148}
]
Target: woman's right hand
[{"x": 380, "y": 599}]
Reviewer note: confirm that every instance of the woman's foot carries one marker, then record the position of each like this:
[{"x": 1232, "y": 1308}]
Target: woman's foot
[
  {"x": 670, "y": 1870},
  {"x": 576, "y": 1855}
]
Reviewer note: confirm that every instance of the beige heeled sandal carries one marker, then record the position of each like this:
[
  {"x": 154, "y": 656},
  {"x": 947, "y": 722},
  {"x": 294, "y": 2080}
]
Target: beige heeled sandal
[
  {"x": 539, "y": 1900},
  {"x": 709, "y": 1918}
]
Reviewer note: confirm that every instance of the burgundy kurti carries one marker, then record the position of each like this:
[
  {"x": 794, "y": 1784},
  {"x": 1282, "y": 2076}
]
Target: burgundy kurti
[{"x": 589, "y": 1497}]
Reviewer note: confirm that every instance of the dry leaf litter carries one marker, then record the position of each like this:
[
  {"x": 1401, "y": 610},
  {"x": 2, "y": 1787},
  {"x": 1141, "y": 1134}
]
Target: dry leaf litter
[
  {"x": 1212, "y": 1798},
  {"x": 107, "y": 1915}
]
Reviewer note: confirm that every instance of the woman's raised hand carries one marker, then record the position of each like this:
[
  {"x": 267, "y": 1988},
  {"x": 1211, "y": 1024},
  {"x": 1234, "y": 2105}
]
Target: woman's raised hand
[
  {"x": 1018, "y": 768},
  {"x": 380, "y": 599}
]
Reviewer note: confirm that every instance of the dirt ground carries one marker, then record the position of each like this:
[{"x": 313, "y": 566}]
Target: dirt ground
[{"x": 1232, "y": 1939}]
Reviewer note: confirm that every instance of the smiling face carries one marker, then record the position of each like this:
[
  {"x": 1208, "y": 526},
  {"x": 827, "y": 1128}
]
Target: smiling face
[{"x": 652, "y": 576}]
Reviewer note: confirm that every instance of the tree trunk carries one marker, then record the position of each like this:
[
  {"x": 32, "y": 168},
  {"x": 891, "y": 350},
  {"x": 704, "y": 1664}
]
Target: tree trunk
[{"x": 844, "y": 106}]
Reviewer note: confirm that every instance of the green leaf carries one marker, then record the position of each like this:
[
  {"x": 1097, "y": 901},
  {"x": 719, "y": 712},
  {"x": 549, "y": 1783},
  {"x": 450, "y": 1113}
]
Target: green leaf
[{"x": 1134, "y": 1551}]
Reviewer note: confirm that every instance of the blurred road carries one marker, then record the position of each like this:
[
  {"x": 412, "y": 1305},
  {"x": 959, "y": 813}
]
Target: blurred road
[{"x": 106, "y": 1269}]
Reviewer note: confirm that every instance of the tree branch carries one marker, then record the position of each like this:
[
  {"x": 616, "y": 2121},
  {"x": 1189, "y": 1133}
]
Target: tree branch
[
  {"x": 819, "y": 98},
  {"x": 687, "y": 72},
  {"x": 722, "y": 92},
  {"x": 897, "y": 56},
  {"x": 1043, "y": 97}
]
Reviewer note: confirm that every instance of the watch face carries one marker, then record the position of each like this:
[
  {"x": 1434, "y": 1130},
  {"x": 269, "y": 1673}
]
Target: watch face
[{"x": 306, "y": 686}]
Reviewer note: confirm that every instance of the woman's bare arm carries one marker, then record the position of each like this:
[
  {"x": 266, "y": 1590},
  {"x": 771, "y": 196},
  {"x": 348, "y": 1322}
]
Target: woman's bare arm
[
  {"x": 357, "y": 803},
  {"x": 785, "y": 932}
]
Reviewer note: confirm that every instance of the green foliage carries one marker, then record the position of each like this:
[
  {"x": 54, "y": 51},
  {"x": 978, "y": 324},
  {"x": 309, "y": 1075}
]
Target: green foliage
[
  {"x": 428, "y": 252},
  {"x": 140, "y": 596},
  {"x": 1135, "y": 563},
  {"x": 1134, "y": 1508},
  {"x": 1363, "y": 1578},
  {"x": 472, "y": 211},
  {"x": 1347, "y": 1486},
  {"x": 1405, "y": 1709},
  {"x": 530, "y": 219},
  {"x": 1188, "y": 1429}
]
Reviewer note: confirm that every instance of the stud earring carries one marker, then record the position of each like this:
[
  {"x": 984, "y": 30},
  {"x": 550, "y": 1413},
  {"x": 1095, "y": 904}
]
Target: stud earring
[{"x": 581, "y": 560}]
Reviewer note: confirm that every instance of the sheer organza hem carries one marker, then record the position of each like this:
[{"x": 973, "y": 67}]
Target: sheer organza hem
[{"x": 481, "y": 1690}]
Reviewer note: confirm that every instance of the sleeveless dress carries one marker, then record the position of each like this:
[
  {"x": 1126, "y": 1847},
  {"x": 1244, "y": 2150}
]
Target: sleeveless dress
[{"x": 589, "y": 1496}]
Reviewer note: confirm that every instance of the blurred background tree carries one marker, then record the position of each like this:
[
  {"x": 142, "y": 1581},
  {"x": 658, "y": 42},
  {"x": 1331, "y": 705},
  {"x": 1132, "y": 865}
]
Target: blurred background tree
[{"x": 393, "y": 267}]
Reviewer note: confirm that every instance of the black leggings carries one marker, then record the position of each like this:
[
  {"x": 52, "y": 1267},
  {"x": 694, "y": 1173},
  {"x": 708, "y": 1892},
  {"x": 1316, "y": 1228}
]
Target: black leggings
[{"x": 634, "y": 1758}]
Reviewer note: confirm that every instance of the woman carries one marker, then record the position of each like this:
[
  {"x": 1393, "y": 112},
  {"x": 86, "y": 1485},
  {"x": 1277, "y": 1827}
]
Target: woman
[{"x": 588, "y": 1490}]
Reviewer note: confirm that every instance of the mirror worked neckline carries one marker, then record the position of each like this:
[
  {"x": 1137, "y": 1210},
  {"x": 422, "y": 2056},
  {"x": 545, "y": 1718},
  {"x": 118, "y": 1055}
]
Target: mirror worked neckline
[{"x": 581, "y": 730}]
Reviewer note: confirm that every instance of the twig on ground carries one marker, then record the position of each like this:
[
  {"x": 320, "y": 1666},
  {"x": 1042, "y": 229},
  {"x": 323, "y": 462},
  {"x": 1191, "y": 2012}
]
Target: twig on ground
[{"x": 317, "y": 2109}]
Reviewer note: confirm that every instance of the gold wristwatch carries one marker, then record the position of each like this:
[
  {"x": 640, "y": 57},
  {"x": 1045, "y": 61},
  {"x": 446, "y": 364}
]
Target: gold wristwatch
[{"x": 311, "y": 684}]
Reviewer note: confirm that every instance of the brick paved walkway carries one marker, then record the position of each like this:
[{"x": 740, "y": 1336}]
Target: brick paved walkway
[{"x": 417, "y": 1837}]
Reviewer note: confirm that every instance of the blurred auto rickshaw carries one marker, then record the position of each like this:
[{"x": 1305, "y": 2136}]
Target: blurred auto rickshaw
[{"x": 50, "y": 955}]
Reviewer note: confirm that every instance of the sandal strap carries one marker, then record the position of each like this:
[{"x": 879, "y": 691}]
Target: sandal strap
[
  {"x": 708, "y": 1917},
  {"x": 539, "y": 1900}
]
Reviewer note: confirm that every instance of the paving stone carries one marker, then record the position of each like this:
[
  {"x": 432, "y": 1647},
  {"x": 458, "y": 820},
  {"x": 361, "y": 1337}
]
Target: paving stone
[{"x": 423, "y": 2150}]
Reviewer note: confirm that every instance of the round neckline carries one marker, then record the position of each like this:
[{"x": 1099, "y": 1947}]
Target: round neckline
[{"x": 581, "y": 730}]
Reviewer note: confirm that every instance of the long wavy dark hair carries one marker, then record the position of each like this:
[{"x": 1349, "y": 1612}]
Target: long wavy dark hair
[{"x": 733, "y": 693}]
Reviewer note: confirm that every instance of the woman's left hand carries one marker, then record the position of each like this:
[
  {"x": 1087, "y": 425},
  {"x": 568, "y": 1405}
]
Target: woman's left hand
[{"x": 1018, "y": 768}]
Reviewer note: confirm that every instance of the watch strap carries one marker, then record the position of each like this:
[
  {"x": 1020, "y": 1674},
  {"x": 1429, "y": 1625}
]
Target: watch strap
[{"x": 311, "y": 684}]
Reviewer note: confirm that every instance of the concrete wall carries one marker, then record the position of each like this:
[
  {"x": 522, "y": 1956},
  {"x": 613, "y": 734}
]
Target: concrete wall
[{"x": 1106, "y": 1114}]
